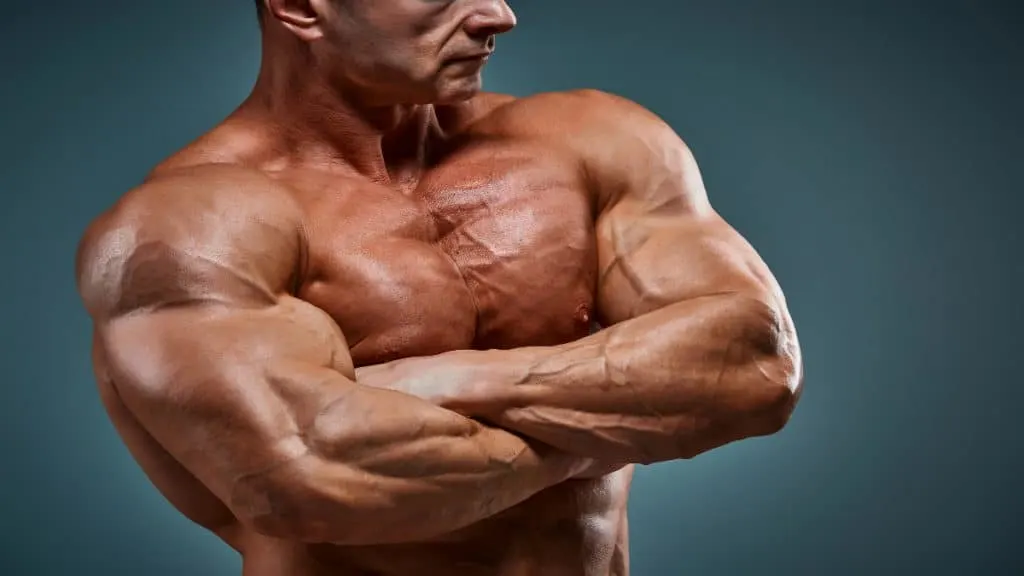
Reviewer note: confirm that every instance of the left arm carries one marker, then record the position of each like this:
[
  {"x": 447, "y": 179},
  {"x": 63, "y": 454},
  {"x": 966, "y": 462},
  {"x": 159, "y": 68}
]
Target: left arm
[{"x": 700, "y": 350}]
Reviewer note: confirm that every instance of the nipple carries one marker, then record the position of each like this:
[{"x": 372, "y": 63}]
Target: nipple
[
  {"x": 586, "y": 320},
  {"x": 583, "y": 314}
]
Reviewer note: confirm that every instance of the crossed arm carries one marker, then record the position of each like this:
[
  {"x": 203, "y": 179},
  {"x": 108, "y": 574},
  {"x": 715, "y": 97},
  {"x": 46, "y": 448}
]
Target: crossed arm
[
  {"x": 699, "y": 348},
  {"x": 254, "y": 392}
]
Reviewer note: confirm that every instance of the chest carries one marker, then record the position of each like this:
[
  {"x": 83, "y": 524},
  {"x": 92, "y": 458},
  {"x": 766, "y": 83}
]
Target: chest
[{"x": 494, "y": 249}]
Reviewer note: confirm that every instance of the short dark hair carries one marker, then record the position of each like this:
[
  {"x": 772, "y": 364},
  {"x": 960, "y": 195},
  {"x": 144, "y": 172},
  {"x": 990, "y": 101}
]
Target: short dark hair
[{"x": 259, "y": 5}]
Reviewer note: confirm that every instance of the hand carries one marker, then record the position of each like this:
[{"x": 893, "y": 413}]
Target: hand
[
  {"x": 463, "y": 381},
  {"x": 470, "y": 383}
]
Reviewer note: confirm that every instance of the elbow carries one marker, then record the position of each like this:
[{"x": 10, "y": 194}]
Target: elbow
[
  {"x": 776, "y": 403},
  {"x": 776, "y": 370}
]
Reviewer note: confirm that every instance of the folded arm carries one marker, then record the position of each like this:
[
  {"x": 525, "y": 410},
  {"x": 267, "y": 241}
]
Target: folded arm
[
  {"x": 699, "y": 348},
  {"x": 252, "y": 390}
]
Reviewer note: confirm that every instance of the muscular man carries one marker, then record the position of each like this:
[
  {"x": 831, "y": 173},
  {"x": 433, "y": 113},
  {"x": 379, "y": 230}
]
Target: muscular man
[{"x": 351, "y": 329}]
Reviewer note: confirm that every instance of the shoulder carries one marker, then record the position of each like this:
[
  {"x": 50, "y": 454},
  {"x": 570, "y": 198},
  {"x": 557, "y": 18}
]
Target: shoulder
[
  {"x": 578, "y": 119},
  {"x": 457, "y": 119},
  {"x": 487, "y": 102},
  {"x": 585, "y": 112},
  {"x": 600, "y": 129},
  {"x": 621, "y": 146},
  {"x": 189, "y": 225}
]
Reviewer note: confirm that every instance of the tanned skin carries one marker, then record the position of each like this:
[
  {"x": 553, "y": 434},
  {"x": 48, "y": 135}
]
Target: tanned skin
[{"x": 378, "y": 322}]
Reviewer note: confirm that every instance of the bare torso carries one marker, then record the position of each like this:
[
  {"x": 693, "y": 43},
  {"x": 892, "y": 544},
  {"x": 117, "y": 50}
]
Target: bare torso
[{"x": 492, "y": 248}]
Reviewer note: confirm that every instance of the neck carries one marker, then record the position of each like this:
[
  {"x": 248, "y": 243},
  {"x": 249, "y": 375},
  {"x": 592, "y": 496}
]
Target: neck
[{"x": 315, "y": 121}]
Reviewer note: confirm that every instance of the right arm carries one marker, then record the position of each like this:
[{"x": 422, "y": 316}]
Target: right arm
[{"x": 252, "y": 390}]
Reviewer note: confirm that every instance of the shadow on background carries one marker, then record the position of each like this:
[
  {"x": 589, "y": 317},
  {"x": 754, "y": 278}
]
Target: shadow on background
[{"x": 870, "y": 150}]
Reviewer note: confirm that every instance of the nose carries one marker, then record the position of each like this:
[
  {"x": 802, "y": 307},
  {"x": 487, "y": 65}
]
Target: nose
[{"x": 490, "y": 18}]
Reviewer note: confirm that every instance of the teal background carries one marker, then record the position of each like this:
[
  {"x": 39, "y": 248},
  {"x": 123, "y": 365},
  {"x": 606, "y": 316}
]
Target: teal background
[{"x": 871, "y": 150}]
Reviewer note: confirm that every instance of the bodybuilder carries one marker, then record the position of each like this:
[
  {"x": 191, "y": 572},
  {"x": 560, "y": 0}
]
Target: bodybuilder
[{"x": 379, "y": 322}]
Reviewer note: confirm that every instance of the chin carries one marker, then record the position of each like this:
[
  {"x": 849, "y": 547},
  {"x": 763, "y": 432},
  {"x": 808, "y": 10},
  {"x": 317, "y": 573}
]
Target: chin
[{"x": 460, "y": 90}]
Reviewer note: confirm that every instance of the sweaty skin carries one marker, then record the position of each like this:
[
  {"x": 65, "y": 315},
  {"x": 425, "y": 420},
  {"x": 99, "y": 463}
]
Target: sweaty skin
[{"x": 445, "y": 365}]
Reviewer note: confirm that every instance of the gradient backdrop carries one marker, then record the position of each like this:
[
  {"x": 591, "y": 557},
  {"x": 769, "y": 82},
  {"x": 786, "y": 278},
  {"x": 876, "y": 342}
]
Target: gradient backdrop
[{"x": 870, "y": 149}]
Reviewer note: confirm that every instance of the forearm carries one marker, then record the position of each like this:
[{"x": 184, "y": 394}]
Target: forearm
[
  {"x": 669, "y": 384},
  {"x": 382, "y": 468}
]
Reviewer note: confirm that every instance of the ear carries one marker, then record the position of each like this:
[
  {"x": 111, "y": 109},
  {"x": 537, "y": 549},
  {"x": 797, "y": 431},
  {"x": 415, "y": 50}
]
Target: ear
[{"x": 304, "y": 18}]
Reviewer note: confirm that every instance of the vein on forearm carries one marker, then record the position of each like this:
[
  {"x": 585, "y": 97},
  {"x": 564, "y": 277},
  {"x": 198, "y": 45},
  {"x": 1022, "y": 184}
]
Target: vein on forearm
[{"x": 664, "y": 385}]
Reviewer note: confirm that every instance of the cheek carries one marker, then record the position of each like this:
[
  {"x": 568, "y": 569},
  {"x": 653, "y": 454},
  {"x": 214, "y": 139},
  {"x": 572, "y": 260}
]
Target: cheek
[
  {"x": 393, "y": 52},
  {"x": 369, "y": 61},
  {"x": 407, "y": 64}
]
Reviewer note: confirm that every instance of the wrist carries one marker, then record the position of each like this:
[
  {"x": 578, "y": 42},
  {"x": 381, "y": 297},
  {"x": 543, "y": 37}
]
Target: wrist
[{"x": 489, "y": 382}]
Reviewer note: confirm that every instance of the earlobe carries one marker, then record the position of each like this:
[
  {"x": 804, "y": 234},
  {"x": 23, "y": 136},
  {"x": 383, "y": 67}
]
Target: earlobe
[{"x": 301, "y": 17}]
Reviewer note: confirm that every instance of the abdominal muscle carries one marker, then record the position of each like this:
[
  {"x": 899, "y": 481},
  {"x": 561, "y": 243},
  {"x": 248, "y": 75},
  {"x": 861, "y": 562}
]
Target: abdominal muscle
[{"x": 577, "y": 528}]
